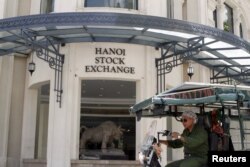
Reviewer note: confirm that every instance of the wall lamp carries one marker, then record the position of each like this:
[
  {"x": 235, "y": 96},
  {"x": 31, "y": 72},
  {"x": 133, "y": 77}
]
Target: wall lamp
[
  {"x": 190, "y": 70},
  {"x": 31, "y": 66}
]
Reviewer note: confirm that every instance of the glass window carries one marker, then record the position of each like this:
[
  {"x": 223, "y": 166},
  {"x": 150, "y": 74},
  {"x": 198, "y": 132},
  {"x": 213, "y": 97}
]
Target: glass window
[
  {"x": 184, "y": 10},
  {"x": 241, "y": 31},
  {"x": 228, "y": 22},
  {"x": 47, "y": 6},
  {"x": 215, "y": 18},
  {"x": 42, "y": 122},
  {"x": 128, "y": 4},
  {"x": 170, "y": 10},
  {"x": 105, "y": 103}
]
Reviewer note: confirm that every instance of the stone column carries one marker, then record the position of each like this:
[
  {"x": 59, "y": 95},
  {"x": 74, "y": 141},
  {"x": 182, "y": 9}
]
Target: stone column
[
  {"x": 11, "y": 8},
  {"x": 74, "y": 100},
  {"x": 61, "y": 119},
  {"x": 65, "y": 6},
  {"x": 246, "y": 33},
  {"x": 211, "y": 7},
  {"x": 237, "y": 21},
  {"x": 6, "y": 79},
  {"x": 57, "y": 148},
  {"x": 220, "y": 14},
  {"x": 178, "y": 9},
  {"x": 16, "y": 111},
  {"x": 2, "y": 8},
  {"x": 29, "y": 121}
]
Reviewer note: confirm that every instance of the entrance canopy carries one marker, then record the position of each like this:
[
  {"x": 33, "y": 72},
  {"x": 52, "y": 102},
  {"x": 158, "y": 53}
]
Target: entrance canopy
[
  {"x": 226, "y": 54},
  {"x": 216, "y": 48}
]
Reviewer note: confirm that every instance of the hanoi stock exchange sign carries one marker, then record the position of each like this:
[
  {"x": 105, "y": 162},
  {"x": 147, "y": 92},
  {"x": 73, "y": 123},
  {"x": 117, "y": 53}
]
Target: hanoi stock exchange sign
[{"x": 110, "y": 60}]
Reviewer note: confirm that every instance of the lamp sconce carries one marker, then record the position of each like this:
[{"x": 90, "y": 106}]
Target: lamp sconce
[
  {"x": 31, "y": 66},
  {"x": 190, "y": 70}
]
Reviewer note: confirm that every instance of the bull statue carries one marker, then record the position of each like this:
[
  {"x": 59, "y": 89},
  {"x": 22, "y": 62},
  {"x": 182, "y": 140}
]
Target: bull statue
[{"x": 105, "y": 133}]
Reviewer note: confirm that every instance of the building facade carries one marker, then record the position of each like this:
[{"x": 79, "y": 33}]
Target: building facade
[{"x": 100, "y": 81}]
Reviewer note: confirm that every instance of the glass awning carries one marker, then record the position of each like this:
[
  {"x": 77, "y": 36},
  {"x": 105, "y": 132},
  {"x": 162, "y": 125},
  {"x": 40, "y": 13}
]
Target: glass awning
[
  {"x": 191, "y": 94},
  {"x": 216, "y": 49}
]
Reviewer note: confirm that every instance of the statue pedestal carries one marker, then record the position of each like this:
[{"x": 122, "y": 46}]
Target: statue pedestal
[{"x": 107, "y": 154}]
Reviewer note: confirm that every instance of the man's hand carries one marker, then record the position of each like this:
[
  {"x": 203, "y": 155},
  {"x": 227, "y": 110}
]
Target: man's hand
[
  {"x": 175, "y": 135},
  {"x": 163, "y": 142},
  {"x": 158, "y": 149}
]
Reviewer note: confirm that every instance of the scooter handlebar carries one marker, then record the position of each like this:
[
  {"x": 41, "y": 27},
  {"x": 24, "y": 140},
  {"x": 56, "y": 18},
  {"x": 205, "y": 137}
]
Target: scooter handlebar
[{"x": 165, "y": 133}]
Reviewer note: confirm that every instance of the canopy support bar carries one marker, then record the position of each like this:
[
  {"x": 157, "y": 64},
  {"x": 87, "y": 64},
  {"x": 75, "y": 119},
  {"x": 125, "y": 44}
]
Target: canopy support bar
[
  {"x": 222, "y": 75},
  {"x": 175, "y": 53},
  {"x": 178, "y": 54},
  {"x": 46, "y": 49},
  {"x": 55, "y": 62}
]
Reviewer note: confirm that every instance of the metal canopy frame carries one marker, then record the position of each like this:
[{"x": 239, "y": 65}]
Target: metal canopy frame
[
  {"x": 178, "y": 40},
  {"x": 204, "y": 97}
]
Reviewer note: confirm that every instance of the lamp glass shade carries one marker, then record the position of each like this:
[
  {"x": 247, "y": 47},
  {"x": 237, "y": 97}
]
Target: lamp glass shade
[
  {"x": 190, "y": 71},
  {"x": 31, "y": 67}
]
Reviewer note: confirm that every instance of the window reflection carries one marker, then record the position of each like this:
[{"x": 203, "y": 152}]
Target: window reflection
[
  {"x": 241, "y": 31},
  {"x": 102, "y": 101},
  {"x": 170, "y": 9},
  {"x": 47, "y": 6},
  {"x": 184, "y": 10},
  {"x": 128, "y": 4},
  {"x": 228, "y": 22},
  {"x": 42, "y": 122},
  {"x": 215, "y": 18}
]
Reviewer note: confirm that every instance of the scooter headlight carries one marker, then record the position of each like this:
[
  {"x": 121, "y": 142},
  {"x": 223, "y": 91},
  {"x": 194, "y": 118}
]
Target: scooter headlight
[{"x": 141, "y": 157}]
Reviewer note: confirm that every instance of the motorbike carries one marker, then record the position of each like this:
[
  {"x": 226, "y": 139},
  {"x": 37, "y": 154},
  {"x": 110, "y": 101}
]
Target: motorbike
[{"x": 148, "y": 156}]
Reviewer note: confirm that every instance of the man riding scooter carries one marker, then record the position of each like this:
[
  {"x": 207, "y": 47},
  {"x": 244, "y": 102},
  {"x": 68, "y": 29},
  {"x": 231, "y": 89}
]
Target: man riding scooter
[{"x": 194, "y": 139}]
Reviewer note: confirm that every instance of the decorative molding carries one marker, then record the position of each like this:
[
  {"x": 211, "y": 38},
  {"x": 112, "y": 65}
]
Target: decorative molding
[
  {"x": 237, "y": 16},
  {"x": 212, "y": 4},
  {"x": 221, "y": 2}
]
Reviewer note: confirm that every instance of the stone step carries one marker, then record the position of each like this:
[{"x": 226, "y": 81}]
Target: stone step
[
  {"x": 105, "y": 163},
  {"x": 85, "y": 163}
]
